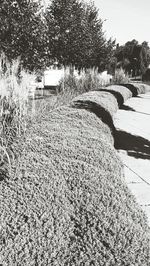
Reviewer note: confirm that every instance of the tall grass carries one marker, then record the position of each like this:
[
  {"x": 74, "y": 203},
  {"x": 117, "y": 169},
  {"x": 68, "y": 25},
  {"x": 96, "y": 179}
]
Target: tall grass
[
  {"x": 71, "y": 85},
  {"x": 77, "y": 83},
  {"x": 120, "y": 77},
  {"x": 14, "y": 90}
]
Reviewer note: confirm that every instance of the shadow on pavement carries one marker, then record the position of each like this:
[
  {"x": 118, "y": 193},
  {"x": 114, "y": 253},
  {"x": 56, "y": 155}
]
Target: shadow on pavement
[
  {"x": 135, "y": 146},
  {"x": 127, "y": 108}
]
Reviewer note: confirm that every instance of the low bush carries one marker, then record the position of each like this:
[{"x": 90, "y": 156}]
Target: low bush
[
  {"x": 147, "y": 88},
  {"x": 125, "y": 92},
  {"x": 101, "y": 98},
  {"x": 141, "y": 87},
  {"x": 68, "y": 204},
  {"x": 98, "y": 102},
  {"x": 133, "y": 89}
]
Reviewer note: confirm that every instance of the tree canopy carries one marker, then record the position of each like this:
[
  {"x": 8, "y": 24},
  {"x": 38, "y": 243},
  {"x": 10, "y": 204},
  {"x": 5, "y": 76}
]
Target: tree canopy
[
  {"x": 69, "y": 32},
  {"x": 133, "y": 57},
  {"x": 76, "y": 34},
  {"x": 22, "y": 31}
]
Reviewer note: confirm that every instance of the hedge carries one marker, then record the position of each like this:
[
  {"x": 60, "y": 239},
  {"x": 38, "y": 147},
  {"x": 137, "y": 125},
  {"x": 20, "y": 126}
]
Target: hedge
[
  {"x": 66, "y": 202},
  {"x": 141, "y": 87},
  {"x": 121, "y": 93},
  {"x": 99, "y": 97}
]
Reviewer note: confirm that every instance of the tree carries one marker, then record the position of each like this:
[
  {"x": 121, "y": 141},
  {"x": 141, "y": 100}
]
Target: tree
[
  {"x": 144, "y": 57},
  {"x": 75, "y": 34},
  {"x": 22, "y": 32},
  {"x": 133, "y": 57},
  {"x": 100, "y": 49}
]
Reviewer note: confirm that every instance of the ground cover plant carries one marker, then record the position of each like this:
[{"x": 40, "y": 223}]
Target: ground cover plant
[
  {"x": 68, "y": 203},
  {"x": 65, "y": 201}
]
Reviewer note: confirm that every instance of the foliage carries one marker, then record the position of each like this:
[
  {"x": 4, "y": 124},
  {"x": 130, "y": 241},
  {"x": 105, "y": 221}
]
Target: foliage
[
  {"x": 74, "y": 84},
  {"x": 23, "y": 32},
  {"x": 146, "y": 75},
  {"x": 73, "y": 207},
  {"x": 76, "y": 35},
  {"x": 133, "y": 57},
  {"x": 70, "y": 32},
  {"x": 14, "y": 87},
  {"x": 71, "y": 85},
  {"x": 98, "y": 102},
  {"x": 120, "y": 77},
  {"x": 121, "y": 93}
]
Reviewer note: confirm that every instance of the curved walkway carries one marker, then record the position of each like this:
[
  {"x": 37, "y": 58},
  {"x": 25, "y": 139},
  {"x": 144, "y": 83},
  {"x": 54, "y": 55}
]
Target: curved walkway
[{"x": 132, "y": 141}]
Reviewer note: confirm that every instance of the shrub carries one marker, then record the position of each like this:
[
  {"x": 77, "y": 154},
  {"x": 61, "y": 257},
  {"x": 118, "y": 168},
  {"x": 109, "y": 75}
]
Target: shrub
[
  {"x": 69, "y": 204},
  {"x": 147, "y": 88},
  {"x": 133, "y": 89},
  {"x": 141, "y": 87},
  {"x": 101, "y": 98},
  {"x": 122, "y": 90},
  {"x": 99, "y": 103}
]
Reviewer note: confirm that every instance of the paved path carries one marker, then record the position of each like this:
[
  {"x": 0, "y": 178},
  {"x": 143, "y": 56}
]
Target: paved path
[{"x": 133, "y": 144}]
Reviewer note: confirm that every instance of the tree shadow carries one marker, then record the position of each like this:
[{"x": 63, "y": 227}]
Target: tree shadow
[
  {"x": 117, "y": 95},
  {"x": 135, "y": 146},
  {"x": 127, "y": 108},
  {"x": 98, "y": 110},
  {"x": 132, "y": 88}
]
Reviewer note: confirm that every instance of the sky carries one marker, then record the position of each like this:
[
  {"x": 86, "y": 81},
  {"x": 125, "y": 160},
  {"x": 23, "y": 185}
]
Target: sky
[{"x": 125, "y": 19}]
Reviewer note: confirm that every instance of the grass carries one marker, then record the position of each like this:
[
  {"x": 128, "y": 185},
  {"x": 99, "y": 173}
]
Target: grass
[
  {"x": 72, "y": 85},
  {"x": 120, "y": 77},
  {"x": 14, "y": 89}
]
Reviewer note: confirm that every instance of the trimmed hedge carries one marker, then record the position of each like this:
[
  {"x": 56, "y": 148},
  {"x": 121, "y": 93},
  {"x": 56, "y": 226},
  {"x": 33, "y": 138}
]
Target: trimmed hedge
[
  {"x": 98, "y": 102},
  {"x": 133, "y": 89},
  {"x": 121, "y": 94},
  {"x": 147, "y": 88},
  {"x": 68, "y": 203},
  {"x": 101, "y": 98},
  {"x": 142, "y": 88},
  {"x": 137, "y": 88}
]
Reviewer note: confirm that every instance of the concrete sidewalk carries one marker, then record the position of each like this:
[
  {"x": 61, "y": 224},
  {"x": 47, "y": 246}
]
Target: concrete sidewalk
[{"x": 133, "y": 144}]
